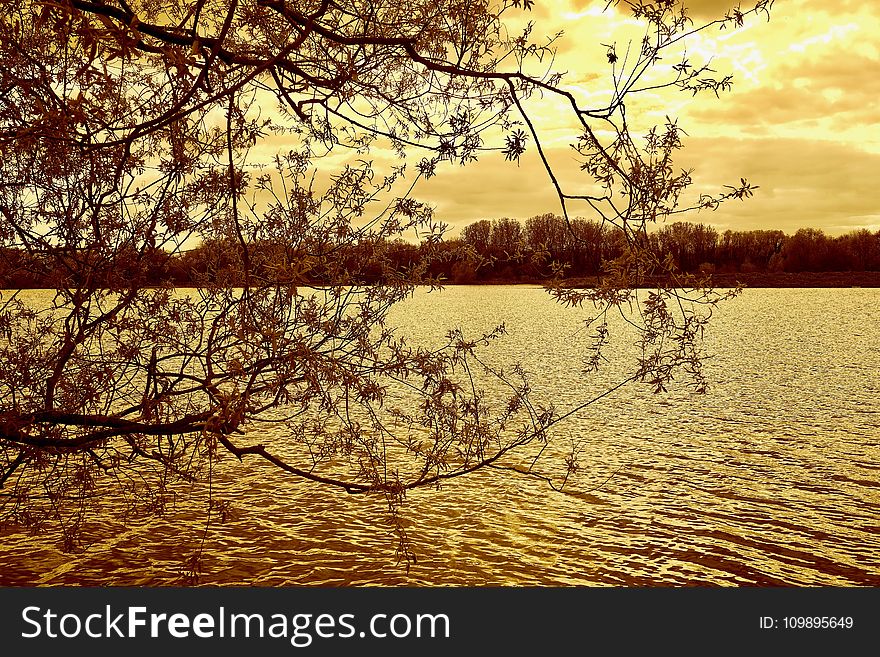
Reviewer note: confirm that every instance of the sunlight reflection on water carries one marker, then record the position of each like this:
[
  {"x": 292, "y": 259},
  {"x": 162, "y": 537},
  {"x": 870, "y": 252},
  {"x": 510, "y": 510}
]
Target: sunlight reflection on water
[{"x": 773, "y": 477}]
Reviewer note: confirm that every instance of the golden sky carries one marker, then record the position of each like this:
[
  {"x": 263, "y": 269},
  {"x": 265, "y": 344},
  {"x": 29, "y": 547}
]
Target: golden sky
[{"x": 801, "y": 120}]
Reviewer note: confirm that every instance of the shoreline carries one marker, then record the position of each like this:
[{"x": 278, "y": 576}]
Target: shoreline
[
  {"x": 869, "y": 279},
  {"x": 866, "y": 279}
]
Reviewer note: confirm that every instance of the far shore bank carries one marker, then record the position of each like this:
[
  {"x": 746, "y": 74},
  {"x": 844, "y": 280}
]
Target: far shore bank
[
  {"x": 779, "y": 279},
  {"x": 731, "y": 280},
  {"x": 868, "y": 279}
]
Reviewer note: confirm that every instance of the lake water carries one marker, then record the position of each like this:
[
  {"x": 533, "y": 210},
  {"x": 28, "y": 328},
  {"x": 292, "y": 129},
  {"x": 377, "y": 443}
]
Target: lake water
[{"x": 772, "y": 478}]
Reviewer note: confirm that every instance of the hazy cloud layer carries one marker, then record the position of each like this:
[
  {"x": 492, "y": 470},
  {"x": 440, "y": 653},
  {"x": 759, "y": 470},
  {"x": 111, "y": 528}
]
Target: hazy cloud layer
[
  {"x": 712, "y": 9},
  {"x": 802, "y": 183},
  {"x": 838, "y": 93}
]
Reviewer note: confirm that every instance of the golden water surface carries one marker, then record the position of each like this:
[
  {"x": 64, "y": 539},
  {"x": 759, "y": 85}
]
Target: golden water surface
[{"x": 772, "y": 478}]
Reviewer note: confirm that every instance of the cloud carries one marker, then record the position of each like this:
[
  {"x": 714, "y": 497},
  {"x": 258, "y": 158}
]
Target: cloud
[
  {"x": 712, "y": 9},
  {"x": 832, "y": 93},
  {"x": 701, "y": 7},
  {"x": 803, "y": 183}
]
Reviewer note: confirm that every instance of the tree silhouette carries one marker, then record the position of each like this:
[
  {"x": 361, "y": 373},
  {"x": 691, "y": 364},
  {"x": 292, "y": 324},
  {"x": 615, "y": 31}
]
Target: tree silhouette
[{"x": 132, "y": 132}]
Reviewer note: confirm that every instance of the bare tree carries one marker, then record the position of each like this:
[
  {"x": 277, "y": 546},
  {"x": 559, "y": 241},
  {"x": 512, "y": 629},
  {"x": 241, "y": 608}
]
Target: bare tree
[{"x": 133, "y": 130}]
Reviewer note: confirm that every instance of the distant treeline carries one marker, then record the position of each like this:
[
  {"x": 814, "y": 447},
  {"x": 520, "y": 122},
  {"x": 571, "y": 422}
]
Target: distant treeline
[
  {"x": 503, "y": 250},
  {"x": 584, "y": 246}
]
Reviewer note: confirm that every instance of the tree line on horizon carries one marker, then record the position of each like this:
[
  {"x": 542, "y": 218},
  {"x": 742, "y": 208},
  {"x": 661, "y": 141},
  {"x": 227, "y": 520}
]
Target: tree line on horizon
[
  {"x": 585, "y": 247},
  {"x": 499, "y": 250}
]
